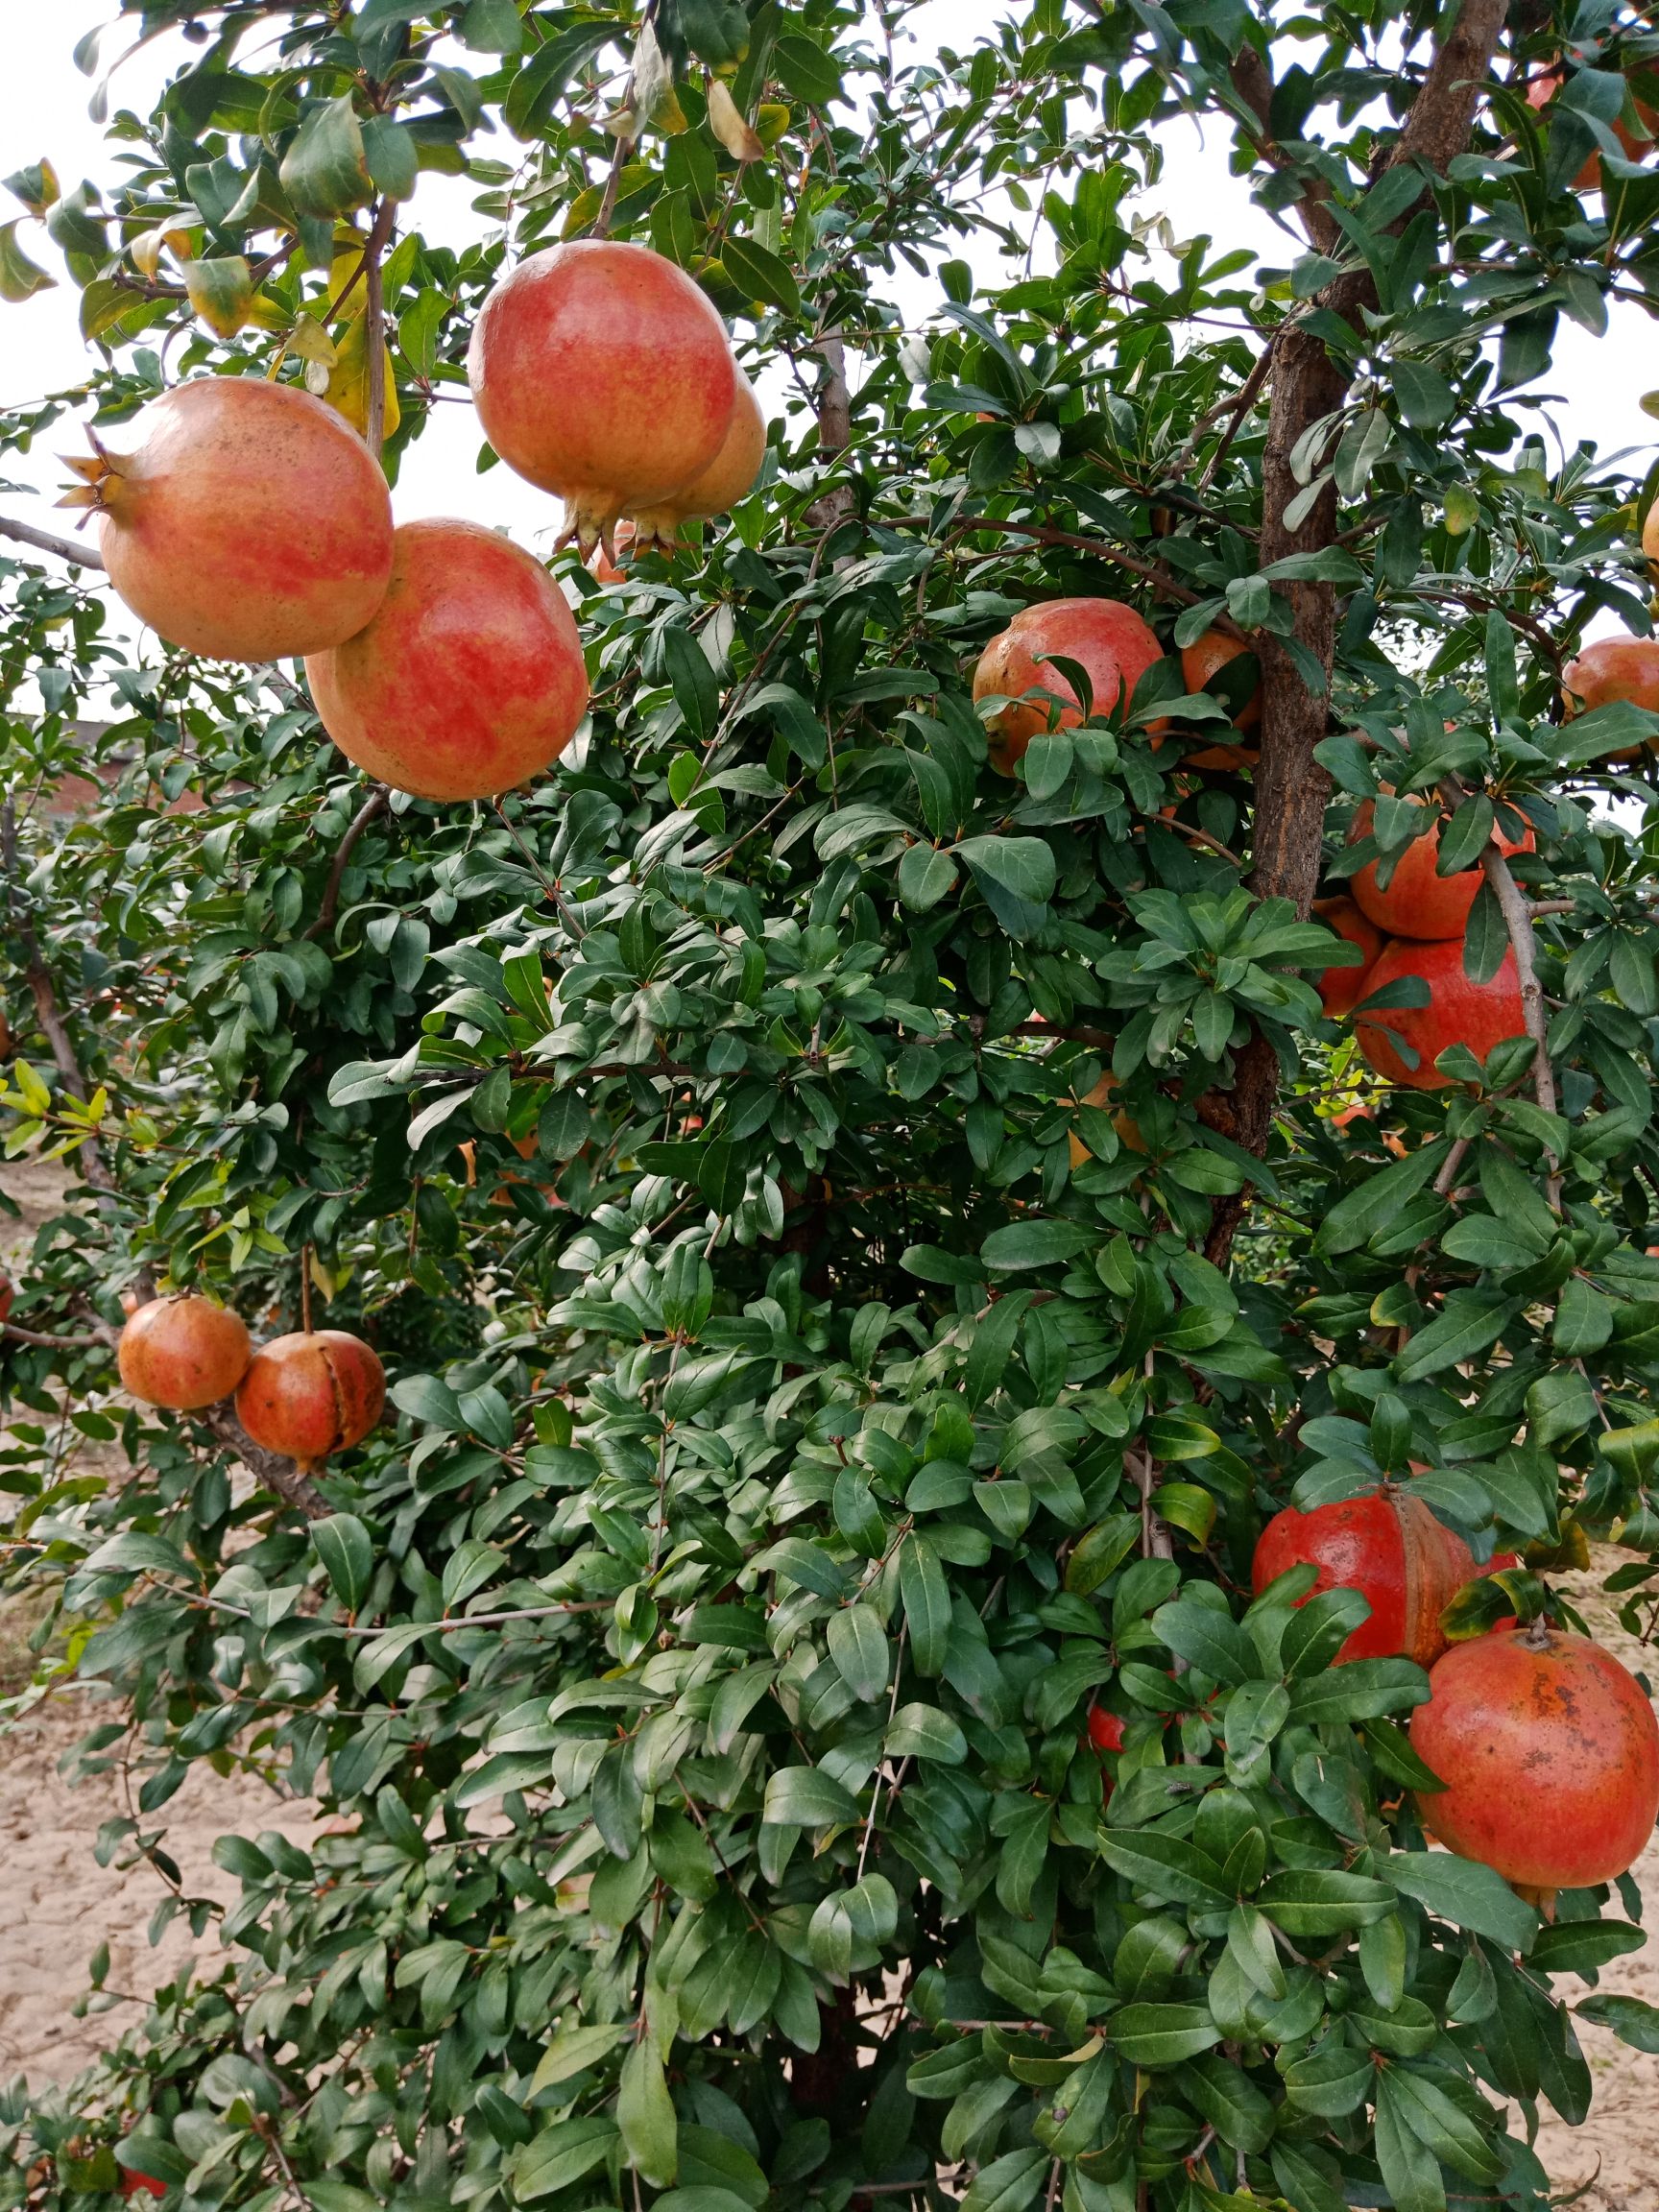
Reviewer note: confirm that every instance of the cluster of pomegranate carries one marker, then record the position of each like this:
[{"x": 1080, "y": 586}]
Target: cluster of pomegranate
[
  {"x": 252, "y": 523},
  {"x": 1417, "y": 928},
  {"x": 305, "y": 1395},
  {"x": 1519, "y": 1723}
]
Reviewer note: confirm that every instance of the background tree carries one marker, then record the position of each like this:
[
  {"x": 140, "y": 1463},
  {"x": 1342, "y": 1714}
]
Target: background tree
[{"x": 797, "y": 1434}]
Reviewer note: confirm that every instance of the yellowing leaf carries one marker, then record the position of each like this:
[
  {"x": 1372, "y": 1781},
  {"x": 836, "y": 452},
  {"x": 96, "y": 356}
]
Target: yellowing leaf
[
  {"x": 347, "y": 389},
  {"x": 145, "y": 252},
  {"x": 726, "y": 121},
  {"x": 1462, "y": 509},
  {"x": 221, "y": 289},
  {"x": 19, "y": 278}
]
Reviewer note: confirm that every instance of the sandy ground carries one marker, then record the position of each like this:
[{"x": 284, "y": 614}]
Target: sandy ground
[{"x": 59, "y": 1904}]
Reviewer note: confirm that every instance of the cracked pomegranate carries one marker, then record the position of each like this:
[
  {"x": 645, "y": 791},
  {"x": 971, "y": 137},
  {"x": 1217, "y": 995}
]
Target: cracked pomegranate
[
  {"x": 310, "y": 1394},
  {"x": 1387, "y": 1546}
]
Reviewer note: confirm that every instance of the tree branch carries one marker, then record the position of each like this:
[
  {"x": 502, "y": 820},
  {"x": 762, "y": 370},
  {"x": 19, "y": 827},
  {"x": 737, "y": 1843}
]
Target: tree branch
[
  {"x": 43, "y": 542},
  {"x": 374, "y": 325},
  {"x": 1159, "y": 579},
  {"x": 372, "y": 808},
  {"x": 835, "y": 410},
  {"x": 105, "y": 1338},
  {"x": 286, "y": 1477}
]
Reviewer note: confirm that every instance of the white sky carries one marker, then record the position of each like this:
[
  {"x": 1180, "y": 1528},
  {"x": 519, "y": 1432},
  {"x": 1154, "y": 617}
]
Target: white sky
[{"x": 43, "y": 113}]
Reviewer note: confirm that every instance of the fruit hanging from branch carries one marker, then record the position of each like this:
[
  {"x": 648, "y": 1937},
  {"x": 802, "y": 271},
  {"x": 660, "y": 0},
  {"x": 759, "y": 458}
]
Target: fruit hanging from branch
[
  {"x": 1611, "y": 669},
  {"x": 728, "y": 477},
  {"x": 311, "y": 1394},
  {"x": 1390, "y": 1547},
  {"x": 1201, "y": 663},
  {"x": 1460, "y": 1011},
  {"x": 1340, "y": 989},
  {"x": 469, "y": 681},
  {"x": 248, "y": 522},
  {"x": 1108, "y": 641},
  {"x": 1418, "y": 902},
  {"x": 1550, "y": 1753},
  {"x": 601, "y": 372},
  {"x": 183, "y": 1352}
]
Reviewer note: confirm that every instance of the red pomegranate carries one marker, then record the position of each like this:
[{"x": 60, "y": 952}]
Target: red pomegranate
[
  {"x": 1550, "y": 1753},
  {"x": 1544, "y": 88},
  {"x": 133, "y": 2184},
  {"x": 1105, "y": 1729},
  {"x": 1389, "y": 1548},
  {"x": 602, "y": 565},
  {"x": 1202, "y": 659},
  {"x": 721, "y": 485},
  {"x": 470, "y": 679},
  {"x": 1458, "y": 1012},
  {"x": 1104, "y": 636},
  {"x": 1615, "y": 668},
  {"x": 248, "y": 523},
  {"x": 183, "y": 1352},
  {"x": 613, "y": 438},
  {"x": 8, "y": 1295},
  {"x": 308, "y": 1395},
  {"x": 1418, "y": 902},
  {"x": 1340, "y": 989}
]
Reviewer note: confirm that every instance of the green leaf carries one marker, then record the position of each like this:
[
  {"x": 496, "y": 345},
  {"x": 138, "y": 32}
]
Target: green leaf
[
  {"x": 1410, "y": 2170},
  {"x": 1207, "y": 1639},
  {"x": 1362, "y": 1690},
  {"x": 1473, "y": 1321},
  {"x": 756, "y": 270},
  {"x": 645, "y": 2117},
  {"x": 1033, "y": 1244},
  {"x": 926, "y": 1596},
  {"x": 1168, "y": 1867},
  {"x": 1022, "y": 865},
  {"x": 572, "y": 2051},
  {"x": 924, "y": 1732},
  {"x": 560, "y": 2156},
  {"x": 806, "y": 1797},
  {"x": 19, "y": 278},
  {"x": 1154, "y": 2035},
  {"x": 1008, "y": 2184},
  {"x": 1354, "y": 1220},
  {"x": 323, "y": 171},
  {"x": 347, "y": 1550},
  {"x": 860, "y": 1647},
  {"x": 1318, "y": 1901},
  {"x": 1631, "y": 2020},
  {"x": 1470, "y": 1896}
]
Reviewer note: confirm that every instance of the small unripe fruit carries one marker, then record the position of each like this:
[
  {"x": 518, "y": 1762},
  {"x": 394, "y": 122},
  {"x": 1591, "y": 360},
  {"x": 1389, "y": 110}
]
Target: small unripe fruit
[
  {"x": 310, "y": 1394},
  {"x": 183, "y": 1352}
]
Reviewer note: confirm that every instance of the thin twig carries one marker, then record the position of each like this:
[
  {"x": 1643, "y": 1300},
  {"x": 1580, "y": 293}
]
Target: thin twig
[
  {"x": 43, "y": 542},
  {"x": 374, "y": 325},
  {"x": 1045, "y": 536},
  {"x": 105, "y": 1338},
  {"x": 372, "y": 808}
]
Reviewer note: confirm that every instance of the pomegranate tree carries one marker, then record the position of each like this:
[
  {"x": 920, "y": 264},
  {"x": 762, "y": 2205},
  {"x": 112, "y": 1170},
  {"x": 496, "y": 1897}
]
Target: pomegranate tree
[
  {"x": 469, "y": 680},
  {"x": 315, "y": 1392},
  {"x": 601, "y": 372},
  {"x": 183, "y": 1352},
  {"x": 1108, "y": 641},
  {"x": 1390, "y": 1547},
  {"x": 248, "y": 522},
  {"x": 1550, "y": 1753},
  {"x": 1460, "y": 1011}
]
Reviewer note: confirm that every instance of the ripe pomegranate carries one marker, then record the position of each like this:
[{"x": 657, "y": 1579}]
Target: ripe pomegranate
[
  {"x": 1105, "y": 1729},
  {"x": 1418, "y": 902},
  {"x": 133, "y": 2184},
  {"x": 1104, "y": 636},
  {"x": 308, "y": 1395},
  {"x": 1650, "y": 536},
  {"x": 249, "y": 523},
  {"x": 1615, "y": 668},
  {"x": 722, "y": 483},
  {"x": 183, "y": 1352},
  {"x": 1199, "y": 662},
  {"x": 1550, "y": 1753},
  {"x": 1340, "y": 989},
  {"x": 602, "y": 372},
  {"x": 7, "y": 1294},
  {"x": 602, "y": 565},
  {"x": 470, "y": 679},
  {"x": 1458, "y": 1012},
  {"x": 1387, "y": 1546}
]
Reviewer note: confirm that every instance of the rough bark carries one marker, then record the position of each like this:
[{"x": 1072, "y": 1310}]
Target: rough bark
[{"x": 286, "y": 1477}]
